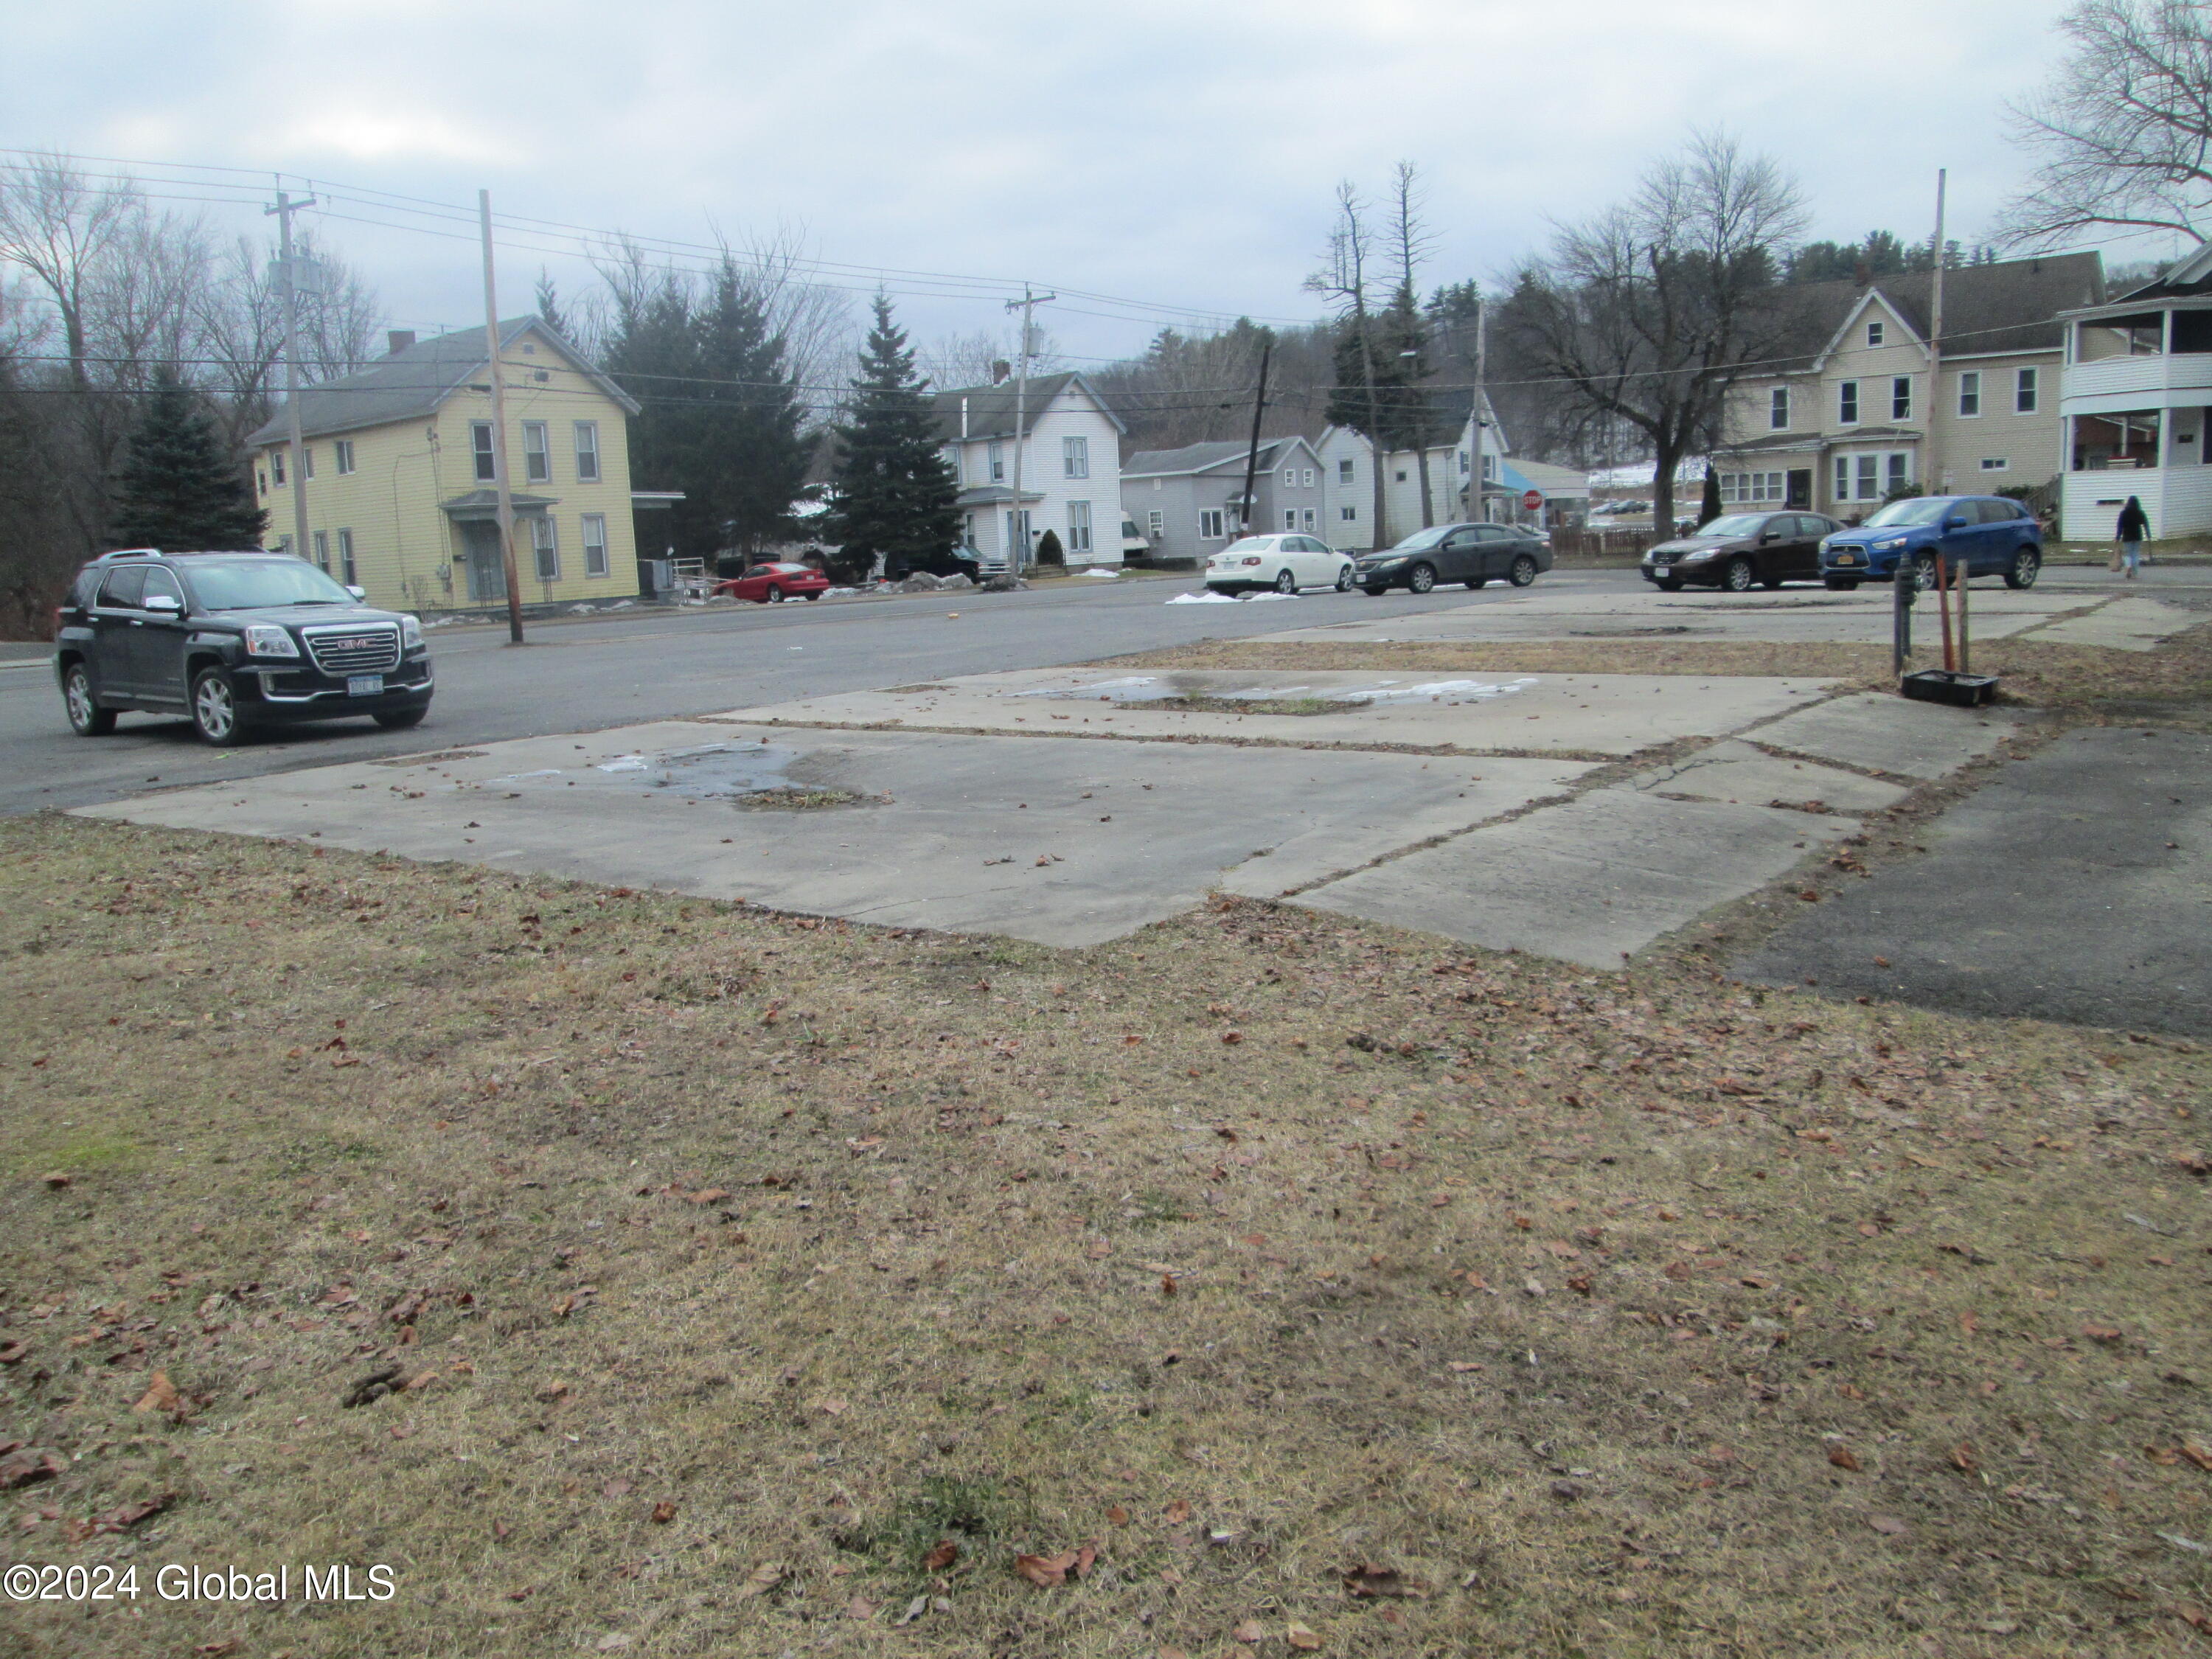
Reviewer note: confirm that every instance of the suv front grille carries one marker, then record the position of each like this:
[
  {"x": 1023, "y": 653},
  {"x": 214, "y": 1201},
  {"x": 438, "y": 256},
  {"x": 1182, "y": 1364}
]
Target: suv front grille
[{"x": 369, "y": 648}]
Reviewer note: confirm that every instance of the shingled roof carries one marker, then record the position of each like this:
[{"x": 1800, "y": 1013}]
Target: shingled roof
[
  {"x": 2013, "y": 306},
  {"x": 415, "y": 381},
  {"x": 1198, "y": 458},
  {"x": 991, "y": 408}
]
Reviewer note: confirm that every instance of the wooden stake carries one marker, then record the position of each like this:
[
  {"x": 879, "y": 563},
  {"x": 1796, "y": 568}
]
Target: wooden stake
[{"x": 1943, "y": 610}]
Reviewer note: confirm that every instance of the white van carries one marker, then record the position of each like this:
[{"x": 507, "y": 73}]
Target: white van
[{"x": 1134, "y": 545}]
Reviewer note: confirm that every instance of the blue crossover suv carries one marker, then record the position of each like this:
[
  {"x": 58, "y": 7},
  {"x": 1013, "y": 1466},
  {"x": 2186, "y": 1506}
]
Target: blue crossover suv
[{"x": 1989, "y": 535}]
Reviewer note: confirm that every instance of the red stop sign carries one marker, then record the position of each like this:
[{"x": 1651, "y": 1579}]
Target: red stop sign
[{"x": 1531, "y": 500}]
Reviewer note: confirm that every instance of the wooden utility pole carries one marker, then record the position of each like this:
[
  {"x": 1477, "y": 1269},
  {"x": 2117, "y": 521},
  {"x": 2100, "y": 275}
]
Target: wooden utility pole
[
  {"x": 1932, "y": 476},
  {"x": 285, "y": 208},
  {"x": 1018, "y": 549},
  {"x": 1252, "y": 454},
  {"x": 494, "y": 349},
  {"x": 1478, "y": 509}
]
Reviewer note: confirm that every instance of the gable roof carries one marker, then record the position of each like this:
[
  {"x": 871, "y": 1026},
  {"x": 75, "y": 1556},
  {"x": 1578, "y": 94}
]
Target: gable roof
[
  {"x": 991, "y": 408},
  {"x": 415, "y": 379},
  {"x": 2186, "y": 278},
  {"x": 2012, "y": 306},
  {"x": 1205, "y": 458}
]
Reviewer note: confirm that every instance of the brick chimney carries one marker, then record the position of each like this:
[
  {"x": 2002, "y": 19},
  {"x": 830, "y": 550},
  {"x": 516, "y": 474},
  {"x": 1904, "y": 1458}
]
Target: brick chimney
[
  {"x": 999, "y": 372},
  {"x": 399, "y": 339}
]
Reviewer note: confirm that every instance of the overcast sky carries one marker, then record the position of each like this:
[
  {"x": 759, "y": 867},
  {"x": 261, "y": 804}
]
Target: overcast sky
[{"x": 1179, "y": 153}]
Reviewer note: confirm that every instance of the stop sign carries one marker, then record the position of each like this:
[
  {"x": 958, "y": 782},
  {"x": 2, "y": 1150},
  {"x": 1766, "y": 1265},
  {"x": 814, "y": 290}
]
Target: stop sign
[{"x": 1531, "y": 500}]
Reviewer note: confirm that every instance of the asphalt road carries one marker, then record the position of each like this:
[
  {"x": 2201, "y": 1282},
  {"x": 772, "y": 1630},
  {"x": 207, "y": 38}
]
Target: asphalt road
[{"x": 587, "y": 674}]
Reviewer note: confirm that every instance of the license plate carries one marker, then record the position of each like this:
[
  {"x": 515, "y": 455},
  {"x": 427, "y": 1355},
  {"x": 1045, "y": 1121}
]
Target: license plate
[
  {"x": 1662, "y": 569},
  {"x": 364, "y": 686},
  {"x": 1847, "y": 558}
]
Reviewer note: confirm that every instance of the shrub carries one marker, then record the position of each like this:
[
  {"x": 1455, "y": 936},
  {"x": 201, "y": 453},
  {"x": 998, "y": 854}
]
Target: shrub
[{"x": 1048, "y": 550}]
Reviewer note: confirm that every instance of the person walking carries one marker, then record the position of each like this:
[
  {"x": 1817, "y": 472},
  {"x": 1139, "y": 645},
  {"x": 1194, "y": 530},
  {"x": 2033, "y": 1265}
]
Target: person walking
[{"x": 2133, "y": 530}]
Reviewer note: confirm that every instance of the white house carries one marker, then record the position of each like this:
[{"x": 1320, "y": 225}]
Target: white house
[
  {"x": 1071, "y": 467},
  {"x": 1347, "y": 460},
  {"x": 2135, "y": 406}
]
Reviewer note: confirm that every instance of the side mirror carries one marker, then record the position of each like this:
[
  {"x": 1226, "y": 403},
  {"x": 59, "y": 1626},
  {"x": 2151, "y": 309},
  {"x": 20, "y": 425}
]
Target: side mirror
[
  {"x": 168, "y": 605},
  {"x": 1954, "y": 524},
  {"x": 1772, "y": 536},
  {"x": 358, "y": 593}
]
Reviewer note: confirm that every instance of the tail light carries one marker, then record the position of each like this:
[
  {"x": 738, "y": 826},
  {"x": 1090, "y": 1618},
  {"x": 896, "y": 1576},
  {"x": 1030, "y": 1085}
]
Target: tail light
[{"x": 1251, "y": 561}]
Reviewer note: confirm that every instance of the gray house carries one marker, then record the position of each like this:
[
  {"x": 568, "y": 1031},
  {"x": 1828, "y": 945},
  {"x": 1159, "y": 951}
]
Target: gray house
[{"x": 1185, "y": 501}]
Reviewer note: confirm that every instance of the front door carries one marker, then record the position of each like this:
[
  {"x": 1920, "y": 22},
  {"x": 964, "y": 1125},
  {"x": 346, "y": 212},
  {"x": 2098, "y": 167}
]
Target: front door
[
  {"x": 487, "y": 568},
  {"x": 1801, "y": 489}
]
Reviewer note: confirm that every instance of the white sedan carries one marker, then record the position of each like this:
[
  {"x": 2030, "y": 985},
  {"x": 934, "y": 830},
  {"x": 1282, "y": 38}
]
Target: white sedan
[{"x": 1286, "y": 563}]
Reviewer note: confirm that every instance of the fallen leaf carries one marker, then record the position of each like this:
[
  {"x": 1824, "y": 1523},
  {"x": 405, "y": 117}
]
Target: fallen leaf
[
  {"x": 664, "y": 1511},
  {"x": 2197, "y": 1455},
  {"x": 161, "y": 1396},
  {"x": 501, "y": 1530},
  {"x": 1464, "y": 1366},
  {"x": 1251, "y": 1630},
  {"x": 1888, "y": 1524},
  {"x": 215, "y": 1649},
  {"x": 1302, "y": 1637},
  {"x": 860, "y": 1608},
  {"x": 945, "y": 1553},
  {"x": 1844, "y": 1458},
  {"x": 617, "y": 1487},
  {"x": 1167, "y": 1284},
  {"x": 1963, "y": 1458},
  {"x": 1117, "y": 1516},
  {"x": 11, "y": 1352},
  {"x": 762, "y": 1579},
  {"x": 830, "y": 1404},
  {"x": 1370, "y": 1580},
  {"x": 1176, "y": 1513},
  {"x": 1045, "y": 1572},
  {"x": 56, "y": 1178},
  {"x": 24, "y": 1468}
]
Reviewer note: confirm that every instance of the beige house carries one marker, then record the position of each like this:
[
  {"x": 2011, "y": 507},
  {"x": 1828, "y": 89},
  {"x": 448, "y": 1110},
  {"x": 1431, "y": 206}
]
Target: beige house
[
  {"x": 399, "y": 477},
  {"x": 1848, "y": 416}
]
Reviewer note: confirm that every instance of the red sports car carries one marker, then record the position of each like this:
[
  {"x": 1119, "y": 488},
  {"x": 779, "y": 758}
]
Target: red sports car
[{"x": 772, "y": 584}]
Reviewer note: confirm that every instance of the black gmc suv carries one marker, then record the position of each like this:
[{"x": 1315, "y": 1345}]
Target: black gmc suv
[{"x": 234, "y": 639}]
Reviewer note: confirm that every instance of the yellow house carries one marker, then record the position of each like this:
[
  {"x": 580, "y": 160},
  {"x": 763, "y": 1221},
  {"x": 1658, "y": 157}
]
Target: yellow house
[{"x": 398, "y": 465}]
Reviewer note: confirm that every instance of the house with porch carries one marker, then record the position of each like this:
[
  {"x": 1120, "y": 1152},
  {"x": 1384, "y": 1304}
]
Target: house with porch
[
  {"x": 1187, "y": 503},
  {"x": 1071, "y": 467},
  {"x": 1846, "y": 416},
  {"x": 2135, "y": 406},
  {"x": 396, "y": 463}
]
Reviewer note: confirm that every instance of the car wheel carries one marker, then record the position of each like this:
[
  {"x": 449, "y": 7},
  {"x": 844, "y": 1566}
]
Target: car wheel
[
  {"x": 1671, "y": 585},
  {"x": 86, "y": 717},
  {"x": 1344, "y": 580},
  {"x": 398, "y": 719},
  {"x": 1737, "y": 577},
  {"x": 2026, "y": 565},
  {"x": 215, "y": 707},
  {"x": 1478, "y": 581},
  {"x": 1422, "y": 579},
  {"x": 1771, "y": 584},
  {"x": 1841, "y": 584},
  {"x": 1923, "y": 572},
  {"x": 774, "y": 596},
  {"x": 813, "y": 596},
  {"x": 1286, "y": 582},
  {"x": 1523, "y": 571},
  {"x": 1374, "y": 592}
]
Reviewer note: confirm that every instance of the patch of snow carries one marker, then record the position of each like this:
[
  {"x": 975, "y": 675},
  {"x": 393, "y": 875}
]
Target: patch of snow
[
  {"x": 1448, "y": 692},
  {"x": 1204, "y": 598},
  {"x": 1110, "y": 576},
  {"x": 1095, "y": 688},
  {"x": 624, "y": 763},
  {"x": 839, "y": 593}
]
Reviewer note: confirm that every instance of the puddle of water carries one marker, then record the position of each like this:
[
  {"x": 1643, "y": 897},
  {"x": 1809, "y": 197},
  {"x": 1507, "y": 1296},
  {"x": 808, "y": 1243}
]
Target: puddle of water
[
  {"x": 713, "y": 771},
  {"x": 1448, "y": 692}
]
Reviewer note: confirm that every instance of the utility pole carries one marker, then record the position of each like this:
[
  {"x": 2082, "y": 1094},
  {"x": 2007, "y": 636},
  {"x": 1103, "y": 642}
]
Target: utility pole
[
  {"x": 1934, "y": 475},
  {"x": 1018, "y": 552},
  {"x": 1478, "y": 508},
  {"x": 1252, "y": 455},
  {"x": 285, "y": 208},
  {"x": 493, "y": 348}
]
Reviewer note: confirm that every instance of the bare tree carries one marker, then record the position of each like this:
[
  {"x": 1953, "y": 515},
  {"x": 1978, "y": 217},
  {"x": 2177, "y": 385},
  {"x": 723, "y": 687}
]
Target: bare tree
[
  {"x": 1651, "y": 311},
  {"x": 65, "y": 231},
  {"x": 1344, "y": 278},
  {"x": 2124, "y": 127},
  {"x": 973, "y": 359},
  {"x": 1411, "y": 245}
]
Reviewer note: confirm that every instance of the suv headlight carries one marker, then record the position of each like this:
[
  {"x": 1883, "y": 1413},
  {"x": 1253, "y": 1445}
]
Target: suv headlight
[
  {"x": 1886, "y": 546},
  {"x": 268, "y": 640},
  {"x": 410, "y": 633}
]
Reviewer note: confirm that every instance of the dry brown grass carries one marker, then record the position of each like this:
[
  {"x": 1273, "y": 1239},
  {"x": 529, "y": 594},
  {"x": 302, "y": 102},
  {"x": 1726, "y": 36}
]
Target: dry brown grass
[{"x": 1559, "y": 1293}]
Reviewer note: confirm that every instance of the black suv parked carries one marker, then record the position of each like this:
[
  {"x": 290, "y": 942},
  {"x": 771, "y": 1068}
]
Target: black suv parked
[{"x": 234, "y": 639}]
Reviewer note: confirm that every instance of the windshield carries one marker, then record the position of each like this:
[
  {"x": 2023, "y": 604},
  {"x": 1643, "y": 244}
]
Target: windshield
[
  {"x": 252, "y": 584},
  {"x": 1421, "y": 540},
  {"x": 1733, "y": 524},
  {"x": 1250, "y": 545},
  {"x": 1924, "y": 510}
]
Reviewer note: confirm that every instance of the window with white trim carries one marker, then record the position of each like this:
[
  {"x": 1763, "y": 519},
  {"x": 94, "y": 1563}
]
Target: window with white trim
[
  {"x": 1870, "y": 477},
  {"x": 1290, "y": 518},
  {"x": 537, "y": 458},
  {"x": 1307, "y": 514},
  {"x": 344, "y": 447},
  {"x": 320, "y": 541},
  {"x": 1343, "y": 471},
  {"x": 998, "y": 458},
  {"x": 276, "y": 465},
  {"x": 588, "y": 451},
  {"x": 1777, "y": 409},
  {"x": 952, "y": 463},
  {"x": 1847, "y": 402},
  {"x": 1843, "y": 491},
  {"x": 1895, "y": 475},
  {"x": 1753, "y": 488},
  {"x": 480, "y": 447},
  {"x": 1996, "y": 465},
  {"x": 1348, "y": 512},
  {"x": 2024, "y": 387},
  {"x": 307, "y": 460},
  {"x": 1306, "y": 482},
  {"x": 1900, "y": 397},
  {"x": 1156, "y": 524},
  {"x": 345, "y": 558},
  {"x": 1079, "y": 527},
  {"x": 545, "y": 543},
  {"x": 1875, "y": 333},
  {"x": 595, "y": 545},
  {"x": 1969, "y": 393},
  {"x": 1209, "y": 524},
  {"x": 1289, "y": 477},
  {"x": 1075, "y": 458}
]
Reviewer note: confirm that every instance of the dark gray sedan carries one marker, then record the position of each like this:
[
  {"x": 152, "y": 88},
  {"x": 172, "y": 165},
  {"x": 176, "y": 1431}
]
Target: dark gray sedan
[
  {"x": 1469, "y": 553},
  {"x": 1741, "y": 548}
]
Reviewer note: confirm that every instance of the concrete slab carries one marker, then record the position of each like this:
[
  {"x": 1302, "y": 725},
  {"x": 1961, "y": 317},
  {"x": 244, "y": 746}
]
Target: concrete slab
[
  {"x": 2075, "y": 885},
  {"x": 1592, "y": 881},
  {"x": 1739, "y": 772},
  {"x": 2125, "y": 624},
  {"x": 1063, "y": 843},
  {"x": 1797, "y": 615},
  {"x": 1885, "y": 733},
  {"x": 1612, "y": 714}
]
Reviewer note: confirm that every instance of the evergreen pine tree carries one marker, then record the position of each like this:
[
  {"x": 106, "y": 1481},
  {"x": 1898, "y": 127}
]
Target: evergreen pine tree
[
  {"x": 177, "y": 489},
  {"x": 895, "y": 495},
  {"x": 1709, "y": 507}
]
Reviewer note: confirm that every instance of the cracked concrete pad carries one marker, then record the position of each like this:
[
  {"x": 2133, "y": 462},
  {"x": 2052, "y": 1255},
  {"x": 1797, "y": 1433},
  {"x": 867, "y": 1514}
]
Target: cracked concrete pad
[
  {"x": 1592, "y": 881},
  {"x": 931, "y": 830},
  {"x": 1588, "y": 714},
  {"x": 1795, "y": 614},
  {"x": 1884, "y": 733},
  {"x": 1741, "y": 772},
  {"x": 2128, "y": 624}
]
